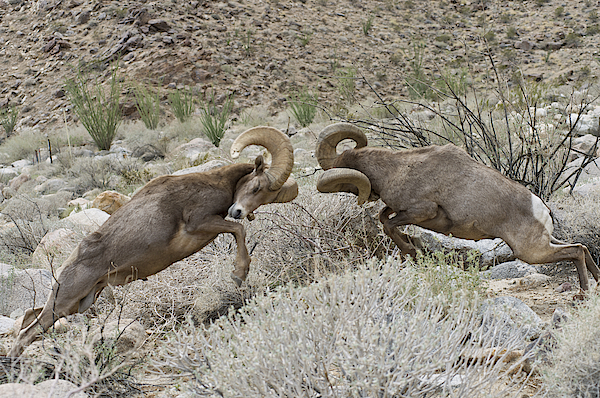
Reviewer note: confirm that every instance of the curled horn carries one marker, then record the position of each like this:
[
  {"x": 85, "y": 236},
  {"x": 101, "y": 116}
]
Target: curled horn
[
  {"x": 277, "y": 143},
  {"x": 345, "y": 180},
  {"x": 331, "y": 136}
]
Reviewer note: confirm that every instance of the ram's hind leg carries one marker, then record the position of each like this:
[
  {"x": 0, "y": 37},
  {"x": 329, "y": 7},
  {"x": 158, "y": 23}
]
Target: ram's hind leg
[
  {"x": 542, "y": 251},
  {"x": 400, "y": 239},
  {"x": 589, "y": 261}
]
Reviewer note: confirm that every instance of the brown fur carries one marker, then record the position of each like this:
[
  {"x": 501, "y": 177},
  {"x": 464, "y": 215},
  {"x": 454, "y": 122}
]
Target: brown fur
[
  {"x": 443, "y": 189},
  {"x": 169, "y": 219}
]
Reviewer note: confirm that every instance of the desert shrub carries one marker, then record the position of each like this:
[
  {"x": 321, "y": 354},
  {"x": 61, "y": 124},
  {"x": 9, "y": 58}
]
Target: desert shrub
[
  {"x": 573, "y": 369},
  {"x": 346, "y": 83},
  {"x": 97, "y": 108},
  {"x": 303, "y": 106},
  {"x": 576, "y": 221},
  {"x": 213, "y": 119},
  {"x": 101, "y": 172},
  {"x": 148, "y": 106},
  {"x": 182, "y": 104},
  {"x": 376, "y": 331},
  {"x": 24, "y": 144},
  {"x": 8, "y": 119},
  {"x": 504, "y": 132},
  {"x": 313, "y": 236},
  {"x": 31, "y": 219}
]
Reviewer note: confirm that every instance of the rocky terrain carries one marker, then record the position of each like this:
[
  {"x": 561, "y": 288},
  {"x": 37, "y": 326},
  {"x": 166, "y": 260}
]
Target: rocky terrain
[{"x": 264, "y": 52}]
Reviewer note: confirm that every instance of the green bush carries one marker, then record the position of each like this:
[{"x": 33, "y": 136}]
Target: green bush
[
  {"x": 182, "y": 104},
  {"x": 303, "y": 106},
  {"x": 97, "y": 108},
  {"x": 8, "y": 119},
  {"x": 148, "y": 106},
  {"x": 213, "y": 119}
]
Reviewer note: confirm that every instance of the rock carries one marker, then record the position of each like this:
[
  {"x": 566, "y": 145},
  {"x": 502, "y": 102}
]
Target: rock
[
  {"x": 81, "y": 203},
  {"x": 84, "y": 17},
  {"x": 492, "y": 251},
  {"x": 192, "y": 150},
  {"x": 510, "y": 270},
  {"x": 559, "y": 317},
  {"x": 18, "y": 181},
  {"x": 148, "y": 153},
  {"x": 213, "y": 164},
  {"x": 565, "y": 287},
  {"x": 51, "y": 185},
  {"x": 55, "y": 388},
  {"x": 590, "y": 171},
  {"x": 6, "y": 325},
  {"x": 128, "y": 333},
  {"x": 19, "y": 164},
  {"x": 23, "y": 288},
  {"x": 510, "y": 316},
  {"x": 584, "y": 124},
  {"x": 87, "y": 220},
  {"x": 524, "y": 45},
  {"x": 159, "y": 25},
  {"x": 54, "y": 248},
  {"x": 533, "y": 280},
  {"x": 110, "y": 201},
  {"x": 8, "y": 173}
]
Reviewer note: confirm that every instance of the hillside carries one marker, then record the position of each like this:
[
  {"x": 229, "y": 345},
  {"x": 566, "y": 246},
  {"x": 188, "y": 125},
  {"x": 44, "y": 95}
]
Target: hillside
[{"x": 263, "y": 51}]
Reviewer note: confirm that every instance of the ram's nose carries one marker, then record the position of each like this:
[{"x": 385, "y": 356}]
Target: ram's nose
[{"x": 235, "y": 212}]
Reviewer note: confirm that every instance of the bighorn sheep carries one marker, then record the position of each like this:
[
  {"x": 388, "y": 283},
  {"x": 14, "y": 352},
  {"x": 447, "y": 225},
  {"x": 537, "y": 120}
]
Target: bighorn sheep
[
  {"x": 169, "y": 219},
  {"x": 443, "y": 189}
]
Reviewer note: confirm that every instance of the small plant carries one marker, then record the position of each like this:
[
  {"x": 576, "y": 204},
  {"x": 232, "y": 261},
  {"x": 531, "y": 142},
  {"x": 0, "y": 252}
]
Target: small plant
[
  {"x": 97, "y": 108},
  {"x": 367, "y": 25},
  {"x": 592, "y": 30},
  {"x": 182, "y": 104},
  {"x": 8, "y": 119},
  {"x": 490, "y": 36},
  {"x": 511, "y": 32},
  {"x": 214, "y": 120},
  {"x": 304, "y": 38},
  {"x": 559, "y": 11},
  {"x": 303, "y": 107},
  {"x": 148, "y": 106},
  {"x": 347, "y": 83},
  {"x": 593, "y": 15},
  {"x": 247, "y": 44}
]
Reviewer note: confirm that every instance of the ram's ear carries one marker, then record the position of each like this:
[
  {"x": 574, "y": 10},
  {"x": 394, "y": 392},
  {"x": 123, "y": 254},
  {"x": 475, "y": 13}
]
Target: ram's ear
[
  {"x": 259, "y": 165},
  {"x": 288, "y": 192}
]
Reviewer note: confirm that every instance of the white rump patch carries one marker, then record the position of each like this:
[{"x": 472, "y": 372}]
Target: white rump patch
[{"x": 542, "y": 213}]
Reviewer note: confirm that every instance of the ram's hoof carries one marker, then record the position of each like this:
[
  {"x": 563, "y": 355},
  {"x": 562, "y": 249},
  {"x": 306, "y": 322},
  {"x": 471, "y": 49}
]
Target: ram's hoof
[
  {"x": 250, "y": 216},
  {"x": 238, "y": 281}
]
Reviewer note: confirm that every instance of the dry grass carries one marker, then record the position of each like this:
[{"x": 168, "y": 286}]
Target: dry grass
[{"x": 376, "y": 331}]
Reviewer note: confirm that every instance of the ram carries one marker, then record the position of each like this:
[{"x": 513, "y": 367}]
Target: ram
[
  {"x": 169, "y": 219},
  {"x": 443, "y": 189}
]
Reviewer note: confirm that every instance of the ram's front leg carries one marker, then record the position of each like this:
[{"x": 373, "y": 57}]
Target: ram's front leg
[
  {"x": 210, "y": 228},
  {"x": 400, "y": 239}
]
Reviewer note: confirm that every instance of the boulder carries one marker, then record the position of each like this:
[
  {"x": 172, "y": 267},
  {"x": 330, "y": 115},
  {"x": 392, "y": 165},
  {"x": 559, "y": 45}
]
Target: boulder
[
  {"x": 54, "y": 248},
  {"x": 110, "y": 201},
  {"x": 6, "y": 325},
  {"x": 491, "y": 251},
  {"x": 55, "y": 388},
  {"x": 510, "y": 316},
  {"x": 18, "y": 181},
  {"x": 22, "y": 289},
  {"x": 510, "y": 270},
  {"x": 213, "y": 164},
  {"x": 87, "y": 220},
  {"x": 192, "y": 150}
]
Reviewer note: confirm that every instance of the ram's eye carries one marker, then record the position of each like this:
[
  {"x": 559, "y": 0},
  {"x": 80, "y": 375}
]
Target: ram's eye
[{"x": 256, "y": 189}]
